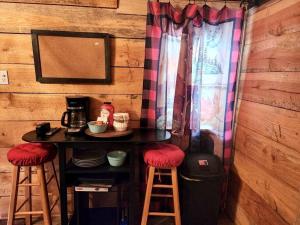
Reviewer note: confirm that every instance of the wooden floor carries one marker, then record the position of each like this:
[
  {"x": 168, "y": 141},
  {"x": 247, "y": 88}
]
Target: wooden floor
[{"x": 160, "y": 221}]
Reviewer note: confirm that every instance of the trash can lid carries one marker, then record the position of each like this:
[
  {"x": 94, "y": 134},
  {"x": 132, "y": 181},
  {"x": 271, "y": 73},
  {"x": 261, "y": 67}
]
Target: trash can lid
[{"x": 201, "y": 166}]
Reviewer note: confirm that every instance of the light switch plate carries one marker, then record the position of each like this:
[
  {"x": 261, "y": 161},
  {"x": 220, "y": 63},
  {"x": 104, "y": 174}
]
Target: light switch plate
[{"x": 3, "y": 77}]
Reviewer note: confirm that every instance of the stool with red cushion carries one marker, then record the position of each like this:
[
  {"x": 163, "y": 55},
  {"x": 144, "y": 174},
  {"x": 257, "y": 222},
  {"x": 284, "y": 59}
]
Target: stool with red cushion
[
  {"x": 28, "y": 155},
  {"x": 162, "y": 156}
]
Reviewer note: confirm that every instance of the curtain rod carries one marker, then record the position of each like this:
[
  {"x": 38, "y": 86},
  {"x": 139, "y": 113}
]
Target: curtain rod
[{"x": 242, "y": 2}]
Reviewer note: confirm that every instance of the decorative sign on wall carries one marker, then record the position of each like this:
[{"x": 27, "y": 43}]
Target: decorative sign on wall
[{"x": 71, "y": 57}]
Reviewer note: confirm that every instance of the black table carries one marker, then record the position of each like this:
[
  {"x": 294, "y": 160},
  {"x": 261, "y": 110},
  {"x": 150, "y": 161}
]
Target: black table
[{"x": 64, "y": 142}]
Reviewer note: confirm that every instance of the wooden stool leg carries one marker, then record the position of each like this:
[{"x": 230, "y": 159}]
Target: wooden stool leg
[
  {"x": 176, "y": 196},
  {"x": 148, "y": 195},
  {"x": 28, "y": 205},
  {"x": 44, "y": 195},
  {"x": 14, "y": 195}
]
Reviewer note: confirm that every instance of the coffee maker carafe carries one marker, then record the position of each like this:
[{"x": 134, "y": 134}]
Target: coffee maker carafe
[{"x": 77, "y": 114}]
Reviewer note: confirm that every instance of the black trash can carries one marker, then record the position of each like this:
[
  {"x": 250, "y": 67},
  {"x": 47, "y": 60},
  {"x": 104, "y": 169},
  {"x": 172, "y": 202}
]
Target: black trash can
[{"x": 201, "y": 179}]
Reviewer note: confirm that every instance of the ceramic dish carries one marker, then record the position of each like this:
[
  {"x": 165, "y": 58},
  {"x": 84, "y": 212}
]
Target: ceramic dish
[
  {"x": 97, "y": 127},
  {"x": 116, "y": 158},
  {"x": 120, "y": 126},
  {"x": 89, "y": 157}
]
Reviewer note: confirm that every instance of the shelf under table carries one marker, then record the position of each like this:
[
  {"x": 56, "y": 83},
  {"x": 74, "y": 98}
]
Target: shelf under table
[{"x": 105, "y": 168}]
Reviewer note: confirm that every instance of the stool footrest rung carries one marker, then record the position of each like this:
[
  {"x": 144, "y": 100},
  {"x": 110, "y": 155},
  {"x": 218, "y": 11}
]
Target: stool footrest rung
[
  {"x": 28, "y": 185},
  {"x": 162, "y": 174},
  {"x": 162, "y": 195},
  {"x": 28, "y": 213},
  {"x": 161, "y": 214},
  {"x": 162, "y": 186}
]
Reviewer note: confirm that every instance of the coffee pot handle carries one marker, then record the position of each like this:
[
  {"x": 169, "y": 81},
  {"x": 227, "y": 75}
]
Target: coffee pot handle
[{"x": 63, "y": 123}]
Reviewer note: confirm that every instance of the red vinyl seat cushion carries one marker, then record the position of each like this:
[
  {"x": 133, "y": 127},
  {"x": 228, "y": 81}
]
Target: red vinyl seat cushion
[
  {"x": 163, "y": 155},
  {"x": 31, "y": 154}
]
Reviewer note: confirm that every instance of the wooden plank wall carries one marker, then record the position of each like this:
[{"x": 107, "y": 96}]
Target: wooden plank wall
[
  {"x": 24, "y": 102},
  {"x": 265, "y": 180}
]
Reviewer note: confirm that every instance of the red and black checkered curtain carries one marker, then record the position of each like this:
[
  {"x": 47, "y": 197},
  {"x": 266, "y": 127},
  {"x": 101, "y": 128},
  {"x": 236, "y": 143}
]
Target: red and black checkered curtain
[{"x": 190, "y": 73}]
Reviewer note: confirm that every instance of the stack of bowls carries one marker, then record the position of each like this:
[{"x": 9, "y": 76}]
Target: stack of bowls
[{"x": 120, "y": 121}]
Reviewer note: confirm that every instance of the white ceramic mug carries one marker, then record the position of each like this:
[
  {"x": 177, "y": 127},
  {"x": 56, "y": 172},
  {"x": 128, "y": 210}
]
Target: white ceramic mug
[
  {"x": 120, "y": 121},
  {"x": 121, "y": 117}
]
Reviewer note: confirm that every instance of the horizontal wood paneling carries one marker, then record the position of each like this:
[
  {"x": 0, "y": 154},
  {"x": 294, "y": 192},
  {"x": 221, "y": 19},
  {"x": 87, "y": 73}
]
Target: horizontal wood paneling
[
  {"x": 56, "y": 17},
  {"x": 271, "y": 65},
  {"x": 251, "y": 208},
  {"x": 280, "y": 125},
  {"x": 276, "y": 20},
  {"x": 11, "y": 132},
  {"x": 281, "y": 197},
  {"x": 5, "y": 166},
  {"x": 91, "y": 3},
  {"x": 36, "y": 106},
  {"x": 280, "y": 89},
  {"x": 267, "y": 143},
  {"x": 139, "y": 7},
  {"x": 276, "y": 159},
  {"x": 25, "y": 102},
  {"x": 22, "y": 78},
  {"x": 284, "y": 46},
  {"x": 17, "y": 48},
  {"x": 128, "y": 52},
  {"x": 269, "y": 8},
  {"x": 279, "y": 53}
]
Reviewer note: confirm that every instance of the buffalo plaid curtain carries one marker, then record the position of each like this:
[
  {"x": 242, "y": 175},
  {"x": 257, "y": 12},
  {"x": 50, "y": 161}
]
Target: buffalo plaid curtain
[{"x": 190, "y": 73}]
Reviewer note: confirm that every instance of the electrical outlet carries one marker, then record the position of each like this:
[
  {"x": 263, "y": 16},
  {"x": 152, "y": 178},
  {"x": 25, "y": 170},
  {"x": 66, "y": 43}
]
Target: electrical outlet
[{"x": 3, "y": 77}]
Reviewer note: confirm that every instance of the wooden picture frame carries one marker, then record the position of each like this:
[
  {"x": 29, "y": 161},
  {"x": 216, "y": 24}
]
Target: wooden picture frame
[{"x": 71, "y": 57}]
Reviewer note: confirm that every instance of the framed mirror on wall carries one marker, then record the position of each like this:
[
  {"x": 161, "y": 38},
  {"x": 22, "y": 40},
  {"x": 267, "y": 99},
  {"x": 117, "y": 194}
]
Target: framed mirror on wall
[{"x": 71, "y": 57}]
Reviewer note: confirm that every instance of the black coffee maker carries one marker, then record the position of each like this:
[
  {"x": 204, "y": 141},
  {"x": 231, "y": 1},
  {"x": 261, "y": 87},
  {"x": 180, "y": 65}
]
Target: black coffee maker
[{"x": 77, "y": 114}]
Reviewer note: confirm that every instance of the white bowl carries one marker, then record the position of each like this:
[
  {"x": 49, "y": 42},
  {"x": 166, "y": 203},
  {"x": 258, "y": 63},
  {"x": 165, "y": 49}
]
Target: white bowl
[
  {"x": 116, "y": 158},
  {"x": 97, "y": 128},
  {"x": 120, "y": 126}
]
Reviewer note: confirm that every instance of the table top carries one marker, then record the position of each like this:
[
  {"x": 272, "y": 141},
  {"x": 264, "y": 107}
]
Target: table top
[{"x": 139, "y": 136}]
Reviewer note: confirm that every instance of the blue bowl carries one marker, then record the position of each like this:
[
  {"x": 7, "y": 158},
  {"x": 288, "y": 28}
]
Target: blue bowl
[
  {"x": 97, "y": 128},
  {"x": 116, "y": 158}
]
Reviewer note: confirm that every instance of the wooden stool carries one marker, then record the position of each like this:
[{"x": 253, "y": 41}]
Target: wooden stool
[
  {"x": 162, "y": 156},
  {"x": 28, "y": 155}
]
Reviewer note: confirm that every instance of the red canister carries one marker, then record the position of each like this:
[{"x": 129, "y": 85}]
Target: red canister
[{"x": 107, "y": 110}]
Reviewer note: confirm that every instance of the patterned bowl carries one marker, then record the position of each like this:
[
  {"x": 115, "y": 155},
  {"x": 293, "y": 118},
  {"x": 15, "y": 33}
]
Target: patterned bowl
[{"x": 96, "y": 127}]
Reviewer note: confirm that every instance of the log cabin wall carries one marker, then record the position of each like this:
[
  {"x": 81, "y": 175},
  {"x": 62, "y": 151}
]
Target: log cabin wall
[
  {"x": 24, "y": 102},
  {"x": 265, "y": 179}
]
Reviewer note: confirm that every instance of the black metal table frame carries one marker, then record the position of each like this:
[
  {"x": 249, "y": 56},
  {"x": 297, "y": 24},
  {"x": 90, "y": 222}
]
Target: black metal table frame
[
  {"x": 134, "y": 184},
  {"x": 134, "y": 164}
]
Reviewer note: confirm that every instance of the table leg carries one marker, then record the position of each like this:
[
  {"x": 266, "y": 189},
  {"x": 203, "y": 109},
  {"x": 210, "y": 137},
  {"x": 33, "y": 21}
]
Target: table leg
[
  {"x": 81, "y": 201},
  {"x": 76, "y": 207},
  {"x": 134, "y": 188},
  {"x": 63, "y": 185}
]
